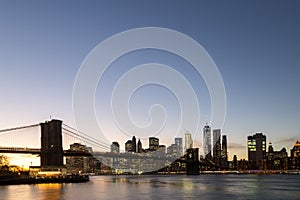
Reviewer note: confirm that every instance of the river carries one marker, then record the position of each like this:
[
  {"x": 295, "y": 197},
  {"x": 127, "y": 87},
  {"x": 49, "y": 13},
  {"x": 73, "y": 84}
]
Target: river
[{"x": 163, "y": 187}]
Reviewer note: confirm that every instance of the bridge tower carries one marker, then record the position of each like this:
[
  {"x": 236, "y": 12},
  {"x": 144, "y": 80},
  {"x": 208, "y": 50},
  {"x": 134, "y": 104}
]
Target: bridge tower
[
  {"x": 51, "y": 144},
  {"x": 192, "y": 161}
]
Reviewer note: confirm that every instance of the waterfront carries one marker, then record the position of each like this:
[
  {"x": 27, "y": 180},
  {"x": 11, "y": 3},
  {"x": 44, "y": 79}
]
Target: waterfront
[{"x": 228, "y": 186}]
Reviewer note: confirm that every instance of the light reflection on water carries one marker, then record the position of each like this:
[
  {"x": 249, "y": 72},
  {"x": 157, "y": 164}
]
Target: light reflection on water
[{"x": 162, "y": 187}]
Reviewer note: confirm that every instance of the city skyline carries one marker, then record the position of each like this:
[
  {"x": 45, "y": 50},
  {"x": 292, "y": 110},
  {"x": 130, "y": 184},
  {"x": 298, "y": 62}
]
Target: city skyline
[
  {"x": 255, "y": 48},
  {"x": 53, "y": 135},
  {"x": 150, "y": 99}
]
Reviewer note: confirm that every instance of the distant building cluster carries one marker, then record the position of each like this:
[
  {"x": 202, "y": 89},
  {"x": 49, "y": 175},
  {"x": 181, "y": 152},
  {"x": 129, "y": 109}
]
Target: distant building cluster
[
  {"x": 262, "y": 158},
  {"x": 219, "y": 155},
  {"x": 175, "y": 158},
  {"x": 82, "y": 163},
  {"x": 132, "y": 146}
]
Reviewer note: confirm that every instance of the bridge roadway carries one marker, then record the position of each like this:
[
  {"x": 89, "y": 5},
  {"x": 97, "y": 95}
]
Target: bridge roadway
[{"x": 25, "y": 150}]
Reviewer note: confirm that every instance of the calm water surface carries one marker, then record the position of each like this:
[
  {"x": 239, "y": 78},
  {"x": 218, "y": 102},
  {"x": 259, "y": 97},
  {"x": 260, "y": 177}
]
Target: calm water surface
[{"x": 163, "y": 187}]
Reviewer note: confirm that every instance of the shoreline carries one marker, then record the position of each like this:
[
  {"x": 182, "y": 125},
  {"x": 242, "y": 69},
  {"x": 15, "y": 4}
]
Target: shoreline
[
  {"x": 253, "y": 172},
  {"x": 19, "y": 180}
]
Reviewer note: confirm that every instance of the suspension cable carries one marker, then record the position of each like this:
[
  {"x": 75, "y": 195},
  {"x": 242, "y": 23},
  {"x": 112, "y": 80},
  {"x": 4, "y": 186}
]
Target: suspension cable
[
  {"x": 17, "y": 128},
  {"x": 85, "y": 135},
  {"x": 85, "y": 139}
]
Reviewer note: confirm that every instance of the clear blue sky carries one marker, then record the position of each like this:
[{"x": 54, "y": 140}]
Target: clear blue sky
[{"x": 255, "y": 44}]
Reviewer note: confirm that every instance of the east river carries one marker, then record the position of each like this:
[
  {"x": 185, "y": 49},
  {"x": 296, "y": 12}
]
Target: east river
[{"x": 163, "y": 187}]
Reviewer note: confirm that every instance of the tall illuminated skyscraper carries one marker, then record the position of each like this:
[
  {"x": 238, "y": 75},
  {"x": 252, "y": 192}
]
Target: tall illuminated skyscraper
[
  {"x": 207, "y": 141},
  {"x": 188, "y": 141},
  {"x": 217, "y": 146},
  {"x": 256, "y": 150}
]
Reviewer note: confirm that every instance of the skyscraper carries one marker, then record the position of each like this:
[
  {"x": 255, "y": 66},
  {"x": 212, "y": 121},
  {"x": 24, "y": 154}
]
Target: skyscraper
[
  {"x": 224, "y": 159},
  {"x": 128, "y": 146},
  {"x": 217, "y": 146},
  {"x": 173, "y": 150},
  {"x": 295, "y": 156},
  {"x": 115, "y": 147},
  {"x": 207, "y": 141},
  {"x": 78, "y": 163},
  {"x": 178, "y": 142},
  {"x": 153, "y": 143},
  {"x": 235, "y": 162},
  {"x": 133, "y": 144},
  {"x": 139, "y": 147},
  {"x": 188, "y": 141},
  {"x": 256, "y": 150}
]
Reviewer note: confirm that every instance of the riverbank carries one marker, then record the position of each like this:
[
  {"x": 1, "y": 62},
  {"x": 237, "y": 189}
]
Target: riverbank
[{"x": 17, "y": 180}]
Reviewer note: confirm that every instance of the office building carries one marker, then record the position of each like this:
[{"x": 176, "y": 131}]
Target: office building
[
  {"x": 153, "y": 143},
  {"x": 207, "y": 141},
  {"x": 295, "y": 152},
  {"x": 139, "y": 147},
  {"x": 188, "y": 141},
  {"x": 128, "y": 146},
  {"x": 224, "y": 155},
  {"x": 80, "y": 163},
  {"x": 256, "y": 150},
  {"x": 173, "y": 150},
  {"x": 234, "y": 162},
  {"x": 162, "y": 149},
  {"x": 133, "y": 141},
  {"x": 295, "y": 156},
  {"x": 179, "y": 143},
  {"x": 115, "y": 147},
  {"x": 276, "y": 160},
  {"x": 217, "y": 146}
]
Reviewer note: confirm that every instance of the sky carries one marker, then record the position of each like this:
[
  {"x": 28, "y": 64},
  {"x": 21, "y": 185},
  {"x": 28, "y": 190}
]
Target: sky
[{"x": 254, "y": 44}]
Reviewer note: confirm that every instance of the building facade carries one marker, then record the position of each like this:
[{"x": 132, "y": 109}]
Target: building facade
[
  {"x": 224, "y": 155},
  {"x": 217, "y": 146},
  {"x": 276, "y": 160},
  {"x": 188, "y": 141},
  {"x": 139, "y": 147},
  {"x": 173, "y": 150},
  {"x": 82, "y": 164},
  {"x": 153, "y": 143},
  {"x": 256, "y": 150},
  {"x": 295, "y": 156},
  {"x": 207, "y": 141},
  {"x": 133, "y": 141},
  {"x": 115, "y": 147},
  {"x": 128, "y": 146},
  {"x": 179, "y": 143}
]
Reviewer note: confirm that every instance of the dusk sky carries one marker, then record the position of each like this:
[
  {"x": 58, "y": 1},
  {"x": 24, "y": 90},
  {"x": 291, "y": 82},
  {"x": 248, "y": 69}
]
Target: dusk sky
[{"x": 254, "y": 44}]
